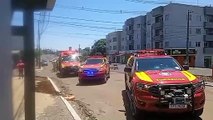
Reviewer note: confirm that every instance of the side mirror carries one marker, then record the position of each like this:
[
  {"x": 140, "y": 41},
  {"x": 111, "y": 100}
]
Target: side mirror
[
  {"x": 127, "y": 69},
  {"x": 186, "y": 67}
]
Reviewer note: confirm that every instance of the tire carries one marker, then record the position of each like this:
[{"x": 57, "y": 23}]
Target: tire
[
  {"x": 80, "y": 82},
  {"x": 198, "y": 113},
  {"x": 137, "y": 113},
  {"x": 105, "y": 79},
  {"x": 126, "y": 87}
]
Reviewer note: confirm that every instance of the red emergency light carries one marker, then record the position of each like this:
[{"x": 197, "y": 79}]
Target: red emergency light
[
  {"x": 96, "y": 56},
  {"x": 152, "y": 52}
]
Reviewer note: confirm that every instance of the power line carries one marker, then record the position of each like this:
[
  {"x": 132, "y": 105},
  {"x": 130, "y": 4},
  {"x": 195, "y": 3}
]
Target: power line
[
  {"x": 85, "y": 34},
  {"x": 89, "y": 20},
  {"x": 79, "y": 25},
  {"x": 148, "y": 1},
  {"x": 101, "y": 10}
]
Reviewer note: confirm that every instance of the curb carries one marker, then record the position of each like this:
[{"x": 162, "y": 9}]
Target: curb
[
  {"x": 69, "y": 107},
  {"x": 209, "y": 84}
]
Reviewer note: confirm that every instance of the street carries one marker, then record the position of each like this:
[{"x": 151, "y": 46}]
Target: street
[{"x": 108, "y": 101}]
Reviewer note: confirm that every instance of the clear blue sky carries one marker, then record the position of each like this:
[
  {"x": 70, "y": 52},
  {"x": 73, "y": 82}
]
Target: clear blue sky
[{"x": 62, "y": 33}]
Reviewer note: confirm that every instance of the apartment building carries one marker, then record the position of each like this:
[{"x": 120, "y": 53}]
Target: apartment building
[
  {"x": 113, "y": 45},
  {"x": 208, "y": 36},
  {"x": 167, "y": 29}
]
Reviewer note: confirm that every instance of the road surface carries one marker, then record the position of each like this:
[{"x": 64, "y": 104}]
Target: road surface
[{"x": 108, "y": 101}]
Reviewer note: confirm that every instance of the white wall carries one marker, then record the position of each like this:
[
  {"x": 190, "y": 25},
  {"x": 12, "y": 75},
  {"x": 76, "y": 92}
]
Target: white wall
[{"x": 5, "y": 61}]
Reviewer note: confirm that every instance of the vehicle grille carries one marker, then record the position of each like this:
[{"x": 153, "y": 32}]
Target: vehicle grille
[
  {"x": 176, "y": 89},
  {"x": 90, "y": 70}
]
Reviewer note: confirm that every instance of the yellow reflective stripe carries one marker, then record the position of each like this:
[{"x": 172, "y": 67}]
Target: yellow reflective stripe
[
  {"x": 143, "y": 76},
  {"x": 190, "y": 76}
]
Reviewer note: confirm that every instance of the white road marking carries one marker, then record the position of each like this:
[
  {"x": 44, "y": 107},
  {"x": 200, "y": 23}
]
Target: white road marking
[
  {"x": 54, "y": 85},
  {"x": 69, "y": 107}
]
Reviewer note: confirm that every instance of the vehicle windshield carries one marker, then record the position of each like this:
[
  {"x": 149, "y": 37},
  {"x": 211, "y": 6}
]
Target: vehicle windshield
[
  {"x": 94, "y": 61},
  {"x": 71, "y": 58},
  {"x": 157, "y": 64}
]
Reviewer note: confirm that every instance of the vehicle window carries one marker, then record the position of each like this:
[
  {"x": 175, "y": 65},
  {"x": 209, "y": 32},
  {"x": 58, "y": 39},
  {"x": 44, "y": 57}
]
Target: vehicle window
[
  {"x": 70, "y": 58},
  {"x": 130, "y": 62},
  {"x": 94, "y": 61},
  {"x": 157, "y": 64}
]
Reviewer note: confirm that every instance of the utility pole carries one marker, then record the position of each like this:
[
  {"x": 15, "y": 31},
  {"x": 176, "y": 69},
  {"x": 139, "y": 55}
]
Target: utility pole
[
  {"x": 187, "y": 39},
  {"x": 29, "y": 69},
  {"x": 39, "y": 46},
  {"x": 79, "y": 49}
]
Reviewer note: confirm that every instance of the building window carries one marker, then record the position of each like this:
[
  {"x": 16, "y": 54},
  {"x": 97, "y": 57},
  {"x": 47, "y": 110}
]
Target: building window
[
  {"x": 114, "y": 39},
  {"x": 130, "y": 27},
  {"x": 206, "y": 44},
  {"x": 198, "y": 31},
  {"x": 190, "y": 44},
  {"x": 138, "y": 47},
  {"x": 137, "y": 36},
  {"x": 190, "y": 17},
  {"x": 167, "y": 44},
  {"x": 110, "y": 47},
  {"x": 167, "y": 17},
  {"x": 122, "y": 47},
  {"x": 131, "y": 47},
  {"x": 122, "y": 39},
  {"x": 197, "y": 44},
  {"x": 190, "y": 30},
  {"x": 199, "y": 18},
  {"x": 138, "y": 25},
  {"x": 114, "y": 47},
  {"x": 130, "y": 37}
]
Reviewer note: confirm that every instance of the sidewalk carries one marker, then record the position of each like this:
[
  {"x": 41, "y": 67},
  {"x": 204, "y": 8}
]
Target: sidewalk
[
  {"x": 49, "y": 106},
  {"x": 17, "y": 97}
]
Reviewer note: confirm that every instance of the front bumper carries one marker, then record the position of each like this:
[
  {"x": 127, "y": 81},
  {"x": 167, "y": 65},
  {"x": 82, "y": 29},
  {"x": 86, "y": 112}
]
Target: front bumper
[
  {"x": 70, "y": 70},
  {"x": 96, "y": 76},
  {"x": 148, "y": 102}
]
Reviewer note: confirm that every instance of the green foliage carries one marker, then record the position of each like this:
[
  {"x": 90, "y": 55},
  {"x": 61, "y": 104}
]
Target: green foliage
[{"x": 99, "y": 47}]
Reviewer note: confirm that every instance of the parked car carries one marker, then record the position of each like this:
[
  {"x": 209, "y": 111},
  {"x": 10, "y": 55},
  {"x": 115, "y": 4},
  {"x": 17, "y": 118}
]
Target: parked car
[{"x": 156, "y": 82}]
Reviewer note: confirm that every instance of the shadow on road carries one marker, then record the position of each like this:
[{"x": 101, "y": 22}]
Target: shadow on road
[
  {"x": 90, "y": 83},
  {"x": 65, "y": 76},
  {"x": 154, "y": 116}
]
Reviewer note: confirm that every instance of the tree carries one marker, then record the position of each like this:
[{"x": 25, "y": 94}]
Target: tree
[
  {"x": 99, "y": 47},
  {"x": 85, "y": 52}
]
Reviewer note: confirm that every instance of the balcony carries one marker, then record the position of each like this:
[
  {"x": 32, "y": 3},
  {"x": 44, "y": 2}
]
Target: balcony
[
  {"x": 208, "y": 50},
  {"x": 157, "y": 11},
  {"x": 208, "y": 38},
  {"x": 130, "y": 32},
  {"x": 158, "y": 38},
  {"x": 208, "y": 10},
  {"x": 158, "y": 25},
  {"x": 208, "y": 24}
]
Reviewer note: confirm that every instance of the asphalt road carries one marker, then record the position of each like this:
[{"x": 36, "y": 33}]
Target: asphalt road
[{"x": 108, "y": 101}]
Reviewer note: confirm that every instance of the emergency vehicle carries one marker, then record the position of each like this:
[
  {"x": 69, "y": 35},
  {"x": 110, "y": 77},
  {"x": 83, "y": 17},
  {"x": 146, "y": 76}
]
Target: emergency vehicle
[
  {"x": 155, "y": 82},
  {"x": 94, "y": 68},
  {"x": 69, "y": 63}
]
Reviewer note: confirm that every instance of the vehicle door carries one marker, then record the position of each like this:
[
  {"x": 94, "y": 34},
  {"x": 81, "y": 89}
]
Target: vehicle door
[{"x": 130, "y": 64}]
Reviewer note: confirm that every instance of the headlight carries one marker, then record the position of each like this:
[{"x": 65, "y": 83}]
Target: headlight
[
  {"x": 199, "y": 85},
  {"x": 80, "y": 70},
  {"x": 62, "y": 66},
  {"x": 101, "y": 69},
  {"x": 141, "y": 86}
]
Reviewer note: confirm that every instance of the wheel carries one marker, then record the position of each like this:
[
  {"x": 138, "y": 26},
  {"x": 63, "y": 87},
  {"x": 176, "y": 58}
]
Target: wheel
[
  {"x": 80, "y": 81},
  {"x": 126, "y": 87},
  {"x": 108, "y": 75},
  {"x": 104, "y": 79},
  {"x": 198, "y": 113}
]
